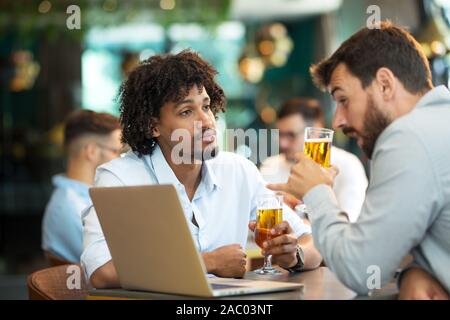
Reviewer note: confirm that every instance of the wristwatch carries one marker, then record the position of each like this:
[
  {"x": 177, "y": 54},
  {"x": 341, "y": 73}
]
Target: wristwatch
[{"x": 300, "y": 261}]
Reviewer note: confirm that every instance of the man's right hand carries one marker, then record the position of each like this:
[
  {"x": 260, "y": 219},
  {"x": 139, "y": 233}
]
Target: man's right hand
[{"x": 228, "y": 261}]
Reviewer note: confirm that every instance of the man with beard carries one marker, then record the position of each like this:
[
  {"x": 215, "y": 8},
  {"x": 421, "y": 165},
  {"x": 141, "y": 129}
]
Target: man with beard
[
  {"x": 381, "y": 82},
  {"x": 168, "y": 109}
]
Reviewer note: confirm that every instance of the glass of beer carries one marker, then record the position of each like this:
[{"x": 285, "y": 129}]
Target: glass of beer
[
  {"x": 269, "y": 213},
  {"x": 318, "y": 145}
]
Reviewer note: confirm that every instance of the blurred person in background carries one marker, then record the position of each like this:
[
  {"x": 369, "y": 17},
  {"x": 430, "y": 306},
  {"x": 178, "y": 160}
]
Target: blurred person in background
[
  {"x": 90, "y": 139},
  {"x": 293, "y": 117}
]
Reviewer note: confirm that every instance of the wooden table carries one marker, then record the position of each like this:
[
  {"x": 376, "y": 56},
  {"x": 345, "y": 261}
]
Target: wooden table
[{"x": 319, "y": 284}]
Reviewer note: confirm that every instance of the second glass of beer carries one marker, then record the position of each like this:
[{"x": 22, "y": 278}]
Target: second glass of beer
[
  {"x": 269, "y": 213},
  {"x": 318, "y": 145}
]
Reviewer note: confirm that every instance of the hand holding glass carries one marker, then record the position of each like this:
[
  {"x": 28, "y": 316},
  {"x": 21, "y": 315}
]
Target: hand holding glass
[
  {"x": 269, "y": 213},
  {"x": 318, "y": 145}
]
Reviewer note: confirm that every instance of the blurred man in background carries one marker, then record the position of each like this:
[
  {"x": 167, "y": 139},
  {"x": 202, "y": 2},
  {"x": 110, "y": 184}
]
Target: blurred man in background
[
  {"x": 90, "y": 140},
  {"x": 293, "y": 117}
]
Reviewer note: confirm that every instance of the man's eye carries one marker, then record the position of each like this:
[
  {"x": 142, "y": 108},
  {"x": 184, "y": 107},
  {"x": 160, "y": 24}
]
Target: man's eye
[
  {"x": 207, "y": 107},
  {"x": 342, "y": 101},
  {"x": 185, "y": 113}
]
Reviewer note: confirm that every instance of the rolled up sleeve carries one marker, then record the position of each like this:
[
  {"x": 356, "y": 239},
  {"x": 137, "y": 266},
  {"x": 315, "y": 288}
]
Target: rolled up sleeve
[
  {"x": 96, "y": 252},
  {"x": 300, "y": 228}
]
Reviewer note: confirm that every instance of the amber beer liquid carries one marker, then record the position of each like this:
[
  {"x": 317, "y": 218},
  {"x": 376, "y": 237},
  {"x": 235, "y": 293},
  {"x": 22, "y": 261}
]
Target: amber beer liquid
[
  {"x": 318, "y": 150},
  {"x": 266, "y": 220}
]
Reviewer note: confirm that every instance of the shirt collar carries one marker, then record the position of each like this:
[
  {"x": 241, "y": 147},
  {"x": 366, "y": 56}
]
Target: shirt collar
[
  {"x": 161, "y": 168},
  {"x": 208, "y": 175},
  {"x": 165, "y": 174},
  {"x": 62, "y": 181},
  {"x": 437, "y": 95}
]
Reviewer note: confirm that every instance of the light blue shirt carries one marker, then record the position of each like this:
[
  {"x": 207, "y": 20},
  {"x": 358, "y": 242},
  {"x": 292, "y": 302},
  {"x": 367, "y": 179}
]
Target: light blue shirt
[
  {"x": 223, "y": 204},
  {"x": 407, "y": 205},
  {"x": 62, "y": 231}
]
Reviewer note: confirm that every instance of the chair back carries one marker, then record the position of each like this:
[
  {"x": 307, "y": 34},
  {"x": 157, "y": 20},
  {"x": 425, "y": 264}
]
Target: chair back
[{"x": 64, "y": 282}]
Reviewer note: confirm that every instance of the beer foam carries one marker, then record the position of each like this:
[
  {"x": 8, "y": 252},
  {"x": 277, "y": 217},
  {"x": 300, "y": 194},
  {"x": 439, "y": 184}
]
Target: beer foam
[{"x": 318, "y": 140}]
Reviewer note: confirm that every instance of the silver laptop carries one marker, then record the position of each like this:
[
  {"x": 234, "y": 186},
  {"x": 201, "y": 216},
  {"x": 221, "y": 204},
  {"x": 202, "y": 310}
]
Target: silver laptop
[{"x": 153, "y": 249}]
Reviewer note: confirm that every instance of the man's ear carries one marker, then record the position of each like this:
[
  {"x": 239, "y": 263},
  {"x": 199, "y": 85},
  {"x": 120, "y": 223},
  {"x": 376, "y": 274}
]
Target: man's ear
[
  {"x": 385, "y": 82},
  {"x": 90, "y": 151}
]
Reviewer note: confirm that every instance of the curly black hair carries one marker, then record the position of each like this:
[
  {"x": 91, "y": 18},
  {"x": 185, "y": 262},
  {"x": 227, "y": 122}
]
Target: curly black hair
[{"x": 156, "y": 81}]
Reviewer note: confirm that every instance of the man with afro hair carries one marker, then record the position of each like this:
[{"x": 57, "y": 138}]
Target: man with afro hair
[{"x": 169, "y": 105}]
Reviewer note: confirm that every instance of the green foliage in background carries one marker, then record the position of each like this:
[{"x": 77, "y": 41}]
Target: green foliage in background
[{"x": 26, "y": 16}]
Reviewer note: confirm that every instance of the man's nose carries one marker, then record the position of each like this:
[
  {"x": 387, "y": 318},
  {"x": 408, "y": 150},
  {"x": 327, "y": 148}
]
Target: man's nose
[
  {"x": 284, "y": 143},
  {"x": 339, "y": 119}
]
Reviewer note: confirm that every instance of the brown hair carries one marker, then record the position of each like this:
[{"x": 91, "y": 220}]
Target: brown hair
[
  {"x": 368, "y": 50},
  {"x": 84, "y": 122},
  {"x": 309, "y": 109}
]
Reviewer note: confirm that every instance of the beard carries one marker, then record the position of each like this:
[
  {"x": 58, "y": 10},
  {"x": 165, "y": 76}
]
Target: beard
[
  {"x": 202, "y": 154},
  {"x": 375, "y": 122},
  {"x": 188, "y": 148}
]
